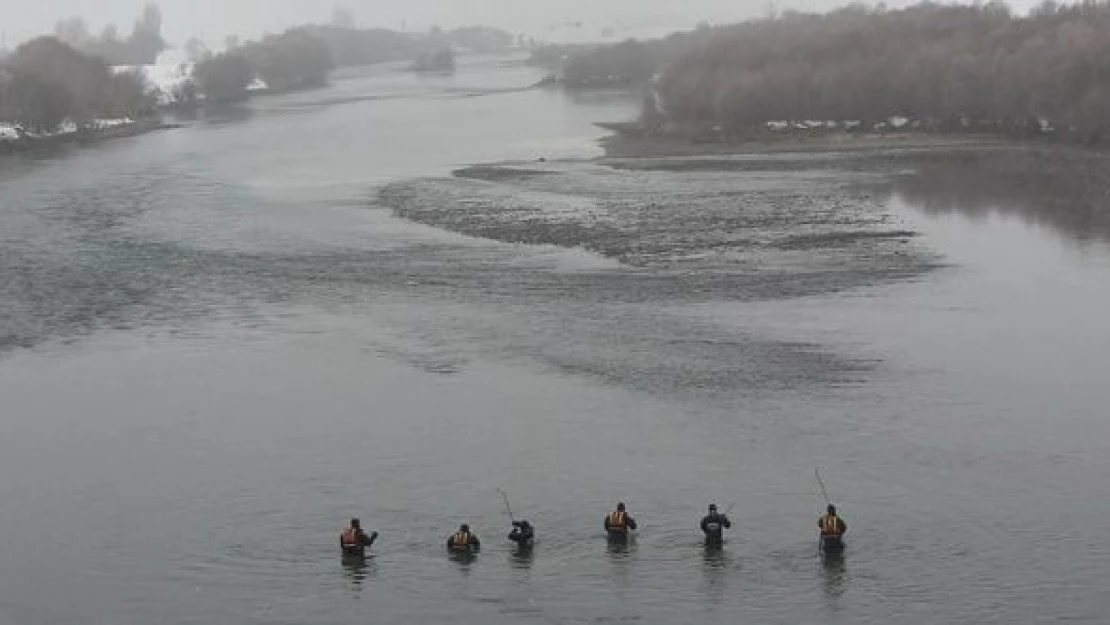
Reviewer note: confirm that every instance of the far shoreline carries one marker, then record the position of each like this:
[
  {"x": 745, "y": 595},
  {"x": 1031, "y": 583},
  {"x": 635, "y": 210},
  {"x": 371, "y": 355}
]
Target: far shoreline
[
  {"x": 621, "y": 143},
  {"x": 29, "y": 145}
]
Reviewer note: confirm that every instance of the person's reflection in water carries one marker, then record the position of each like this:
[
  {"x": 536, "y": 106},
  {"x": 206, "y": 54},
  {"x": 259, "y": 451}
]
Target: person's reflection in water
[
  {"x": 463, "y": 559},
  {"x": 835, "y": 574},
  {"x": 715, "y": 565},
  {"x": 357, "y": 569},
  {"x": 620, "y": 549},
  {"x": 620, "y": 554},
  {"x": 522, "y": 557},
  {"x": 225, "y": 115}
]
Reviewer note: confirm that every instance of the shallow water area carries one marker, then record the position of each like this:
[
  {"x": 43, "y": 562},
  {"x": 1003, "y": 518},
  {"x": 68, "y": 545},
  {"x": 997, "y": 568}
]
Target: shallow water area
[{"x": 219, "y": 343}]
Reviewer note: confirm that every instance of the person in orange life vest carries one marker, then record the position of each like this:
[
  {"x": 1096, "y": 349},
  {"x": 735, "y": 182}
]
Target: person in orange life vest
[
  {"x": 463, "y": 540},
  {"x": 832, "y": 529},
  {"x": 354, "y": 542},
  {"x": 618, "y": 522}
]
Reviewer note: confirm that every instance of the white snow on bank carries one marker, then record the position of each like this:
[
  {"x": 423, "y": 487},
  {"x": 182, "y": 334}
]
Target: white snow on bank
[
  {"x": 104, "y": 124},
  {"x": 850, "y": 124},
  {"x": 67, "y": 127},
  {"x": 170, "y": 72},
  {"x": 9, "y": 132}
]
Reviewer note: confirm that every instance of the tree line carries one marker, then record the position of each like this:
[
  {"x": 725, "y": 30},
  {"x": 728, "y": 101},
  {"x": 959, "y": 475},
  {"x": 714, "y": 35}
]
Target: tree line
[
  {"x": 352, "y": 46},
  {"x": 140, "y": 48},
  {"x": 435, "y": 61},
  {"x": 303, "y": 57},
  {"x": 627, "y": 63},
  {"x": 295, "y": 59},
  {"x": 45, "y": 82},
  {"x": 945, "y": 67},
  {"x": 68, "y": 77}
]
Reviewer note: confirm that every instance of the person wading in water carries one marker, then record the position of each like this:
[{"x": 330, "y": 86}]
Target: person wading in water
[
  {"x": 523, "y": 534},
  {"x": 832, "y": 529},
  {"x": 618, "y": 523},
  {"x": 353, "y": 542},
  {"x": 463, "y": 541},
  {"x": 713, "y": 525}
]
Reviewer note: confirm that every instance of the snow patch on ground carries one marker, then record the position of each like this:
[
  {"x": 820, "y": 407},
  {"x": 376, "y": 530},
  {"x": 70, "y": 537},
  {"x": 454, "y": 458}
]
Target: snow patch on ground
[
  {"x": 9, "y": 132},
  {"x": 67, "y": 127},
  {"x": 169, "y": 74},
  {"x": 104, "y": 124}
]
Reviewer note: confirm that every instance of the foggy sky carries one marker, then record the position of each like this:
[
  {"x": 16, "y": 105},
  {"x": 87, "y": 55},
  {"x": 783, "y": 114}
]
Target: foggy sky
[{"x": 213, "y": 19}]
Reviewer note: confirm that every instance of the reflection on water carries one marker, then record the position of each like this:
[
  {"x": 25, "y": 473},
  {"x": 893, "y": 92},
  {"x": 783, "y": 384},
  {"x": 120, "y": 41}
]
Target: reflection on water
[
  {"x": 196, "y": 224},
  {"x": 621, "y": 553},
  {"x": 600, "y": 96},
  {"x": 715, "y": 566},
  {"x": 835, "y": 576},
  {"x": 522, "y": 557},
  {"x": 228, "y": 115},
  {"x": 356, "y": 569},
  {"x": 1068, "y": 191},
  {"x": 463, "y": 560},
  {"x": 620, "y": 548}
]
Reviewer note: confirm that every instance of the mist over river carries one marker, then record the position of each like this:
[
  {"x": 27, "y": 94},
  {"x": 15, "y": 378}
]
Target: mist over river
[{"x": 218, "y": 343}]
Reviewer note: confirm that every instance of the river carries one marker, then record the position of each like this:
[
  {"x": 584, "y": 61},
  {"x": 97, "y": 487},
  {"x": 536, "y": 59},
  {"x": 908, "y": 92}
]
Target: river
[{"x": 218, "y": 343}]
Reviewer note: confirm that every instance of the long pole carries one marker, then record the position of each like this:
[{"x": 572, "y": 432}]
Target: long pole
[
  {"x": 821, "y": 483},
  {"x": 508, "y": 508}
]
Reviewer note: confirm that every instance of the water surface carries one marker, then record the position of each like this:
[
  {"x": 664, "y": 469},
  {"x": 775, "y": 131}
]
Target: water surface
[{"x": 222, "y": 341}]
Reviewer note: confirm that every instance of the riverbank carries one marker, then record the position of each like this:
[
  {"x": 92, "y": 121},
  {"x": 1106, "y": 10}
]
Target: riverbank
[
  {"x": 626, "y": 142},
  {"x": 35, "y": 144},
  {"x": 1065, "y": 186}
]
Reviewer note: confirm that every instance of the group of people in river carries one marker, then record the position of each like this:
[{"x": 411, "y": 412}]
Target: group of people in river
[{"x": 619, "y": 527}]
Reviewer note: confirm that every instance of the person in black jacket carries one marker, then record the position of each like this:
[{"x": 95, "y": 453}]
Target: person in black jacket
[
  {"x": 713, "y": 525},
  {"x": 523, "y": 534}
]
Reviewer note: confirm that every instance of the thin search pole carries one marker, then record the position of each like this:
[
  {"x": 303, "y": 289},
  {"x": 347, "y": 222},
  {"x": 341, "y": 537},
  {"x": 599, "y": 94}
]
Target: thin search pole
[
  {"x": 508, "y": 508},
  {"x": 821, "y": 483}
]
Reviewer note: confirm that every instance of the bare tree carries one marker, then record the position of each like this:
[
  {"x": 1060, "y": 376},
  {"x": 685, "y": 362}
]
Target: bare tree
[
  {"x": 224, "y": 78},
  {"x": 49, "y": 81},
  {"x": 344, "y": 18},
  {"x": 957, "y": 68}
]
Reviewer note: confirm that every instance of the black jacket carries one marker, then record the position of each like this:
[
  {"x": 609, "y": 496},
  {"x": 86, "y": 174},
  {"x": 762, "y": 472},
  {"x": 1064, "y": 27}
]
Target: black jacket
[
  {"x": 523, "y": 533},
  {"x": 714, "y": 526}
]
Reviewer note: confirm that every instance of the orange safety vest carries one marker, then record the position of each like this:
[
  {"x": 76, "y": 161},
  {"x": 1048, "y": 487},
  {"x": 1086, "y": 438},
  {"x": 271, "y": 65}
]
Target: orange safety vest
[
  {"x": 830, "y": 525},
  {"x": 460, "y": 539},
  {"x": 617, "y": 520},
  {"x": 349, "y": 537}
]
